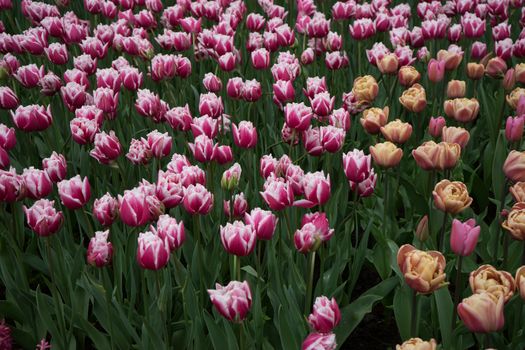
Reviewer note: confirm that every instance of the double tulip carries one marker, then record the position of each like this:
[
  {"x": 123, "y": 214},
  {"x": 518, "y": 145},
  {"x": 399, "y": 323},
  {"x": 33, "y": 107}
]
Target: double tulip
[
  {"x": 75, "y": 192},
  {"x": 232, "y": 301},
  {"x": 99, "y": 251},
  {"x": 515, "y": 220},
  {"x": 486, "y": 279},
  {"x": 423, "y": 271},
  {"x": 451, "y": 196}
]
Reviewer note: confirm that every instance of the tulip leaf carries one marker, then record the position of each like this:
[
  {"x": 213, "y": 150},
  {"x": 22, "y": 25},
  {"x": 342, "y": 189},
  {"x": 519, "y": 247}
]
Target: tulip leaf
[{"x": 445, "y": 308}]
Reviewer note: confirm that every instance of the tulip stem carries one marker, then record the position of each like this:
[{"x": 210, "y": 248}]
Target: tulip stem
[
  {"x": 523, "y": 255},
  {"x": 89, "y": 231},
  {"x": 385, "y": 203},
  {"x": 287, "y": 219},
  {"x": 441, "y": 243},
  {"x": 309, "y": 286},
  {"x": 413, "y": 325},
  {"x": 500, "y": 231},
  {"x": 457, "y": 291},
  {"x": 241, "y": 336}
]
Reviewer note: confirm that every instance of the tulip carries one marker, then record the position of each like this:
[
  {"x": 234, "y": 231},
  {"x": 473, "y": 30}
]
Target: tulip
[
  {"x": 75, "y": 192},
  {"x": 319, "y": 341},
  {"x": 169, "y": 230},
  {"x": 29, "y": 75},
  {"x": 520, "y": 281},
  {"x": 83, "y": 130},
  {"x": 230, "y": 177},
  {"x": 356, "y": 165},
  {"x": 374, "y": 118},
  {"x": 451, "y": 197},
  {"x": 107, "y": 147},
  {"x": 150, "y": 105},
  {"x": 423, "y": 271},
  {"x": 297, "y": 116},
  {"x": 316, "y": 190},
  {"x": 12, "y": 186},
  {"x": 451, "y": 134},
  {"x": 396, "y": 131},
  {"x": 388, "y": 64},
  {"x": 267, "y": 165},
  {"x": 332, "y": 138},
  {"x": 325, "y": 315},
  {"x": 482, "y": 313},
  {"x": 340, "y": 118},
  {"x": 496, "y": 68},
  {"x": 232, "y": 301},
  {"x": 515, "y": 220},
  {"x": 277, "y": 193},
  {"x": 312, "y": 141},
  {"x": 50, "y": 84},
  {"x": 153, "y": 253},
  {"x": 260, "y": 58},
  {"x": 234, "y": 87},
  {"x": 192, "y": 175},
  {"x": 417, "y": 344},
  {"x": 139, "y": 152},
  {"x": 169, "y": 189},
  {"x": 386, "y": 154},
  {"x": 435, "y": 126},
  {"x": 519, "y": 72},
  {"x": 514, "y": 128},
  {"x": 73, "y": 95},
  {"x": 514, "y": 166},
  {"x": 365, "y": 89},
  {"x": 475, "y": 71},
  {"x": 422, "y": 232},
  {"x": 263, "y": 223},
  {"x": 251, "y": 90},
  {"x": 245, "y": 134},
  {"x": 85, "y": 63},
  {"x": 202, "y": 148},
  {"x": 8, "y": 98},
  {"x": 159, "y": 144},
  {"x": 106, "y": 210},
  {"x": 7, "y": 137},
  {"x": 106, "y": 99},
  {"x": 238, "y": 239},
  {"x": 283, "y": 91},
  {"x": 43, "y": 218},
  {"x": 57, "y": 53},
  {"x": 99, "y": 251},
  {"x": 414, "y": 99},
  {"x": 487, "y": 279},
  {"x": 179, "y": 118},
  {"x": 212, "y": 83},
  {"x": 109, "y": 78},
  {"x": 514, "y": 97},
  {"x": 462, "y": 109},
  {"x": 133, "y": 208},
  {"x": 322, "y": 226},
  {"x": 427, "y": 155},
  {"x": 308, "y": 238},
  {"x": 456, "y": 89},
  {"x": 436, "y": 70},
  {"x": 131, "y": 78},
  {"x": 211, "y": 105},
  {"x": 464, "y": 237},
  {"x": 197, "y": 200},
  {"x": 322, "y": 104},
  {"x": 32, "y": 118},
  {"x": 408, "y": 76},
  {"x": 509, "y": 80},
  {"x": 240, "y": 206},
  {"x": 37, "y": 183},
  {"x": 452, "y": 57}
]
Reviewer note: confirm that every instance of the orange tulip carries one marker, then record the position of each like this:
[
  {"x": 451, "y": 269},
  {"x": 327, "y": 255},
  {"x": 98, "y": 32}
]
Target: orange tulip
[
  {"x": 451, "y": 196},
  {"x": 453, "y": 134},
  {"x": 515, "y": 221},
  {"x": 386, "y": 154},
  {"x": 408, "y": 76},
  {"x": 424, "y": 272},
  {"x": 487, "y": 279},
  {"x": 463, "y": 110},
  {"x": 374, "y": 118},
  {"x": 397, "y": 131},
  {"x": 365, "y": 89},
  {"x": 414, "y": 98}
]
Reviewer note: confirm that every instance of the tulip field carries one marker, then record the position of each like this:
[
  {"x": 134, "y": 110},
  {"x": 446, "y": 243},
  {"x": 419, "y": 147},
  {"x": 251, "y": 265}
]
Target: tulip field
[{"x": 262, "y": 174}]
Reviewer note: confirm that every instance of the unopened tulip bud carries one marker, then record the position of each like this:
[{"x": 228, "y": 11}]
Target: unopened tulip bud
[
  {"x": 386, "y": 154},
  {"x": 436, "y": 70},
  {"x": 75, "y": 192},
  {"x": 230, "y": 177},
  {"x": 514, "y": 166},
  {"x": 514, "y": 128},
  {"x": 239, "y": 206},
  {"x": 263, "y": 223},
  {"x": 496, "y": 68},
  {"x": 422, "y": 232},
  {"x": 509, "y": 80},
  {"x": 456, "y": 88},
  {"x": 168, "y": 229},
  {"x": 464, "y": 237},
  {"x": 475, "y": 71},
  {"x": 435, "y": 126}
]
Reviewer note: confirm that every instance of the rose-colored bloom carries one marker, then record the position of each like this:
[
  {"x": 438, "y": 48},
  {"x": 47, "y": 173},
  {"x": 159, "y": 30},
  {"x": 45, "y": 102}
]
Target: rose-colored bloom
[
  {"x": 332, "y": 138},
  {"x": 417, "y": 344},
  {"x": 482, "y": 313},
  {"x": 83, "y": 130},
  {"x": 515, "y": 221},
  {"x": 427, "y": 155},
  {"x": 74, "y": 95},
  {"x": 153, "y": 253},
  {"x": 452, "y": 57},
  {"x": 107, "y": 147},
  {"x": 496, "y": 67},
  {"x": 57, "y": 53},
  {"x": 451, "y": 196},
  {"x": 322, "y": 104},
  {"x": 212, "y": 83},
  {"x": 234, "y": 87},
  {"x": 240, "y": 206},
  {"x": 99, "y": 251},
  {"x": 245, "y": 134},
  {"x": 12, "y": 186},
  {"x": 277, "y": 193},
  {"x": 43, "y": 218},
  {"x": 32, "y": 118},
  {"x": 319, "y": 341},
  {"x": 8, "y": 98},
  {"x": 397, "y": 131},
  {"x": 366, "y": 187},
  {"x": 139, "y": 151},
  {"x": 159, "y": 144},
  {"x": 202, "y": 148},
  {"x": 414, "y": 98},
  {"x": 106, "y": 209},
  {"x": 131, "y": 78},
  {"x": 388, "y": 64},
  {"x": 514, "y": 166},
  {"x": 308, "y": 238},
  {"x": 29, "y": 75},
  {"x": 325, "y": 315},
  {"x": 85, "y": 63},
  {"x": 232, "y": 301},
  {"x": 197, "y": 199},
  {"x": 106, "y": 99},
  {"x": 169, "y": 230},
  {"x": 267, "y": 165},
  {"x": 435, "y": 126},
  {"x": 423, "y": 271},
  {"x": 150, "y": 105},
  {"x": 75, "y": 192},
  {"x": 340, "y": 118},
  {"x": 456, "y": 88},
  {"x": 486, "y": 279},
  {"x": 133, "y": 208},
  {"x": 356, "y": 165},
  {"x": 263, "y": 223},
  {"x": 211, "y": 105},
  {"x": 462, "y": 109},
  {"x": 283, "y": 91},
  {"x": 251, "y": 90},
  {"x": 386, "y": 154},
  {"x": 55, "y": 166},
  {"x": 374, "y": 118},
  {"x": 452, "y": 134},
  {"x": 436, "y": 70},
  {"x": 362, "y": 28},
  {"x": 37, "y": 183},
  {"x": 316, "y": 190},
  {"x": 514, "y": 128},
  {"x": 179, "y": 118},
  {"x": 238, "y": 239},
  {"x": 464, "y": 236},
  {"x": 260, "y": 58},
  {"x": 297, "y": 116}
]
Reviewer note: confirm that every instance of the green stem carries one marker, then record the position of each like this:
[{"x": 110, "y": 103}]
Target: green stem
[
  {"x": 287, "y": 219},
  {"x": 309, "y": 286},
  {"x": 385, "y": 203},
  {"x": 241, "y": 336},
  {"x": 457, "y": 292},
  {"x": 500, "y": 231},
  {"x": 413, "y": 325},
  {"x": 89, "y": 230},
  {"x": 441, "y": 243}
]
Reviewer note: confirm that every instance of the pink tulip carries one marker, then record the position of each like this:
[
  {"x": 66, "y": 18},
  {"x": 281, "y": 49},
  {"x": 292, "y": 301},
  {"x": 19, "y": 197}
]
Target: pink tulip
[
  {"x": 105, "y": 210},
  {"x": 435, "y": 126},
  {"x": 464, "y": 237},
  {"x": 75, "y": 192},
  {"x": 357, "y": 167},
  {"x": 212, "y": 83},
  {"x": 362, "y": 29},
  {"x": 169, "y": 189},
  {"x": 133, "y": 208},
  {"x": 473, "y": 26},
  {"x": 251, "y": 90},
  {"x": 73, "y": 95},
  {"x": 32, "y": 118},
  {"x": 478, "y": 50},
  {"x": 308, "y": 56},
  {"x": 322, "y": 104},
  {"x": 4, "y": 159},
  {"x": 179, "y": 118},
  {"x": 205, "y": 125},
  {"x": 238, "y": 239},
  {"x": 94, "y": 47},
  {"x": 192, "y": 175},
  {"x": 7, "y": 137},
  {"x": 366, "y": 187},
  {"x": 232, "y": 301},
  {"x": 319, "y": 341},
  {"x": 43, "y": 218},
  {"x": 76, "y": 76},
  {"x": 263, "y": 222},
  {"x": 85, "y": 63},
  {"x": 320, "y": 221},
  {"x": 316, "y": 190},
  {"x": 227, "y": 62},
  {"x": 222, "y": 154},
  {"x": 283, "y": 91},
  {"x": 29, "y": 75},
  {"x": 153, "y": 252},
  {"x": 260, "y": 58},
  {"x": 234, "y": 87},
  {"x": 514, "y": 128},
  {"x": 314, "y": 86},
  {"x": 55, "y": 166},
  {"x": 12, "y": 186},
  {"x": 37, "y": 183},
  {"x": 57, "y": 53},
  {"x": 255, "y": 22},
  {"x": 159, "y": 144},
  {"x": 312, "y": 141},
  {"x": 482, "y": 313},
  {"x": 267, "y": 165},
  {"x": 294, "y": 176},
  {"x": 325, "y": 315},
  {"x": 436, "y": 70},
  {"x": 150, "y": 105},
  {"x": 50, "y": 84},
  {"x": 83, "y": 130},
  {"x": 90, "y": 112},
  {"x": 230, "y": 177},
  {"x": 297, "y": 116},
  {"x": 106, "y": 99},
  {"x": 245, "y": 134},
  {"x": 109, "y": 78},
  {"x": 240, "y": 206},
  {"x": 307, "y": 238},
  {"x": 107, "y": 147},
  {"x": 99, "y": 251},
  {"x": 197, "y": 200},
  {"x": 336, "y": 60},
  {"x": 277, "y": 193},
  {"x": 332, "y": 138},
  {"x": 131, "y": 78},
  {"x": 211, "y": 105},
  {"x": 168, "y": 229},
  {"x": 8, "y": 99},
  {"x": 139, "y": 152},
  {"x": 202, "y": 148}
]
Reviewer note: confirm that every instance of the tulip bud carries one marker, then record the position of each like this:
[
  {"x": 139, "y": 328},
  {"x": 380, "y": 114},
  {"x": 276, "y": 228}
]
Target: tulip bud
[
  {"x": 37, "y": 183},
  {"x": 232, "y": 301},
  {"x": 212, "y": 83},
  {"x": 422, "y": 232},
  {"x": 316, "y": 190},
  {"x": 277, "y": 193},
  {"x": 159, "y": 144},
  {"x": 456, "y": 88},
  {"x": 386, "y": 154},
  {"x": 153, "y": 253},
  {"x": 133, "y": 208},
  {"x": 325, "y": 315},
  {"x": 475, "y": 71},
  {"x": 99, "y": 251},
  {"x": 263, "y": 222},
  {"x": 509, "y": 80},
  {"x": 435, "y": 126},
  {"x": 356, "y": 165},
  {"x": 436, "y": 70},
  {"x": 514, "y": 222},
  {"x": 55, "y": 166},
  {"x": 496, "y": 67},
  {"x": 240, "y": 206},
  {"x": 43, "y": 218},
  {"x": 230, "y": 177},
  {"x": 197, "y": 200},
  {"x": 520, "y": 281},
  {"x": 238, "y": 239},
  {"x": 245, "y": 134},
  {"x": 8, "y": 98},
  {"x": 464, "y": 237},
  {"x": 514, "y": 166},
  {"x": 482, "y": 313},
  {"x": 514, "y": 128}
]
